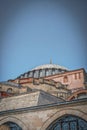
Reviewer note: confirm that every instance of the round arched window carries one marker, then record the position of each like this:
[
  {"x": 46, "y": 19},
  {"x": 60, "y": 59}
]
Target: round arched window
[
  {"x": 65, "y": 79},
  {"x": 68, "y": 122},
  {"x": 9, "y": 90},
  {"x": 10, "y": 126}
]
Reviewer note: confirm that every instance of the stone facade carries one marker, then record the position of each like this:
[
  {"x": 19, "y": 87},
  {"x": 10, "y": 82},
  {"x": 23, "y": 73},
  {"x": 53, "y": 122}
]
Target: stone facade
[
  {"x": 34, "y": 103},
  {"x": 73, "y": 79},
  {"x": 11, "y": 88},
  {"x": 40, "y": 117}
]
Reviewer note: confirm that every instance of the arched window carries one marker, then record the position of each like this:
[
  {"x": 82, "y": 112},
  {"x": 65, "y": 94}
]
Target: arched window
[
  {"x": 47, "y": 72},
  {"x": 41, "y": 74},
  {"x": 76, "y": 75},
  {"x": 65, "y": 79},
  {"x": 53, "y": 71},
  {"x": 9, "y": 90},
  {"x": 10, "y": 126},
  {"x": 30, "y": 74},
  {"x": 68, "y": 122}
]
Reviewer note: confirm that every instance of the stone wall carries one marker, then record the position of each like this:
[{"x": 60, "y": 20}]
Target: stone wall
[
  {"x": 42, "y": 117},
  {"x": 75, "y": 79},
  {"x": 14, "y": 90},
  {"x": 20, "y": 101}
]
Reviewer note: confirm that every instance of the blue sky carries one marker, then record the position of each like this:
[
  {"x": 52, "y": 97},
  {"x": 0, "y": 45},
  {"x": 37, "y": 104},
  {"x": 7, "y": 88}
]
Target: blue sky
[{"x": 33, "y": 32}]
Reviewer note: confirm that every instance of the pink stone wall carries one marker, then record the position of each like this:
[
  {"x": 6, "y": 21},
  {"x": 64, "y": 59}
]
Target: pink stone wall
[{"x": 75, "y": 79}]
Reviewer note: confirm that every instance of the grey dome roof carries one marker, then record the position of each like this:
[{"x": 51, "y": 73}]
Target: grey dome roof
[
  {"x": 44, "y": 70},
  {"x": 50, "y": 66}
]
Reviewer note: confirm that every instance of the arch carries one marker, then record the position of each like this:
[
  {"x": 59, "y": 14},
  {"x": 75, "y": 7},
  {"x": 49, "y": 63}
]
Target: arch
[
  {"x": 14, "y": 120},
  {"x": 61, "y": 113},
  {"x": 9, "y": 90},
  {"x": 65, "y": 79},
  {"x": 68, "y": 122},
  {"x": 84, "y": 91},
  {"x": 4, "y": 127},
  {"x": 10, "y": 126}
]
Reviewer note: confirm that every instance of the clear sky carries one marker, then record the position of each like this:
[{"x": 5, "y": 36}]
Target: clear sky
[{"x": 34, "y": 31}]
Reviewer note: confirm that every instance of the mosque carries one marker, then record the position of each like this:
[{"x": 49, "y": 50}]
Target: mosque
[{"x": 48, "y": 97}]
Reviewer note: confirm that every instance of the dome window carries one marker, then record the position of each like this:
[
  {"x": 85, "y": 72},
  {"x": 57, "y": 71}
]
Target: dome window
[{"x": 41, "y": 75}]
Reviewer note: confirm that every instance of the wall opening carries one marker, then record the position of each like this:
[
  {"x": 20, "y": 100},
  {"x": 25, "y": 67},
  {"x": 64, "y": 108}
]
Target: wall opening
[
  {"x": 68, "y": 122},
  {"x": 10, "y": 126}
]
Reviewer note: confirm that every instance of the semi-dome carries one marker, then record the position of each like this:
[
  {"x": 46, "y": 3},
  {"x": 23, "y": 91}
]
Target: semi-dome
[{"x": 44, "y": 70}]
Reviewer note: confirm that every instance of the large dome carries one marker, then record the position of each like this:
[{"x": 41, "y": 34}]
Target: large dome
[
  {"x": 44, "y": 70},
  {"x": 49, "y": 66}
]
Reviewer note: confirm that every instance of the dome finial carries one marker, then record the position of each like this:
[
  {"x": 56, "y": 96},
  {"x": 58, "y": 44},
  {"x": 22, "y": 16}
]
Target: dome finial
[{"x": 50, "y": 61}]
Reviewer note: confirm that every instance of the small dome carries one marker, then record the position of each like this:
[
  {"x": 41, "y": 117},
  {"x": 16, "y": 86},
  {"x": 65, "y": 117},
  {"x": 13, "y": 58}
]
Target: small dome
[{"x": 49, "y": 66}]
